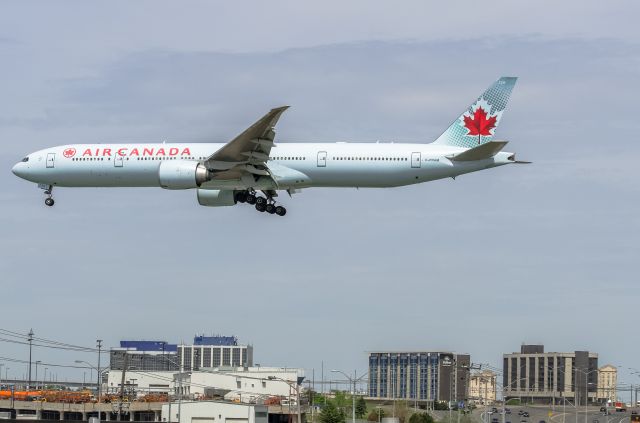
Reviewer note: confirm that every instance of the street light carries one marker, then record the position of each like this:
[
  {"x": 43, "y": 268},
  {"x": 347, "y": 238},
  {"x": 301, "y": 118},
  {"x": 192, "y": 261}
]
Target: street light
[
  {"x": 44, "y": 378},
  {"x": 353, "y": 381}
]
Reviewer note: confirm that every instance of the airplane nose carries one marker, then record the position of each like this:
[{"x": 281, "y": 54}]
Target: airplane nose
[{"x": 18, "y": 170}]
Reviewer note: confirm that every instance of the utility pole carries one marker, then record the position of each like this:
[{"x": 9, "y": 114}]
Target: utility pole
[
  {"x": 30, "y": 345},
  {"x": 124, "y": 370},
  {"x": 99, "y": 341}
]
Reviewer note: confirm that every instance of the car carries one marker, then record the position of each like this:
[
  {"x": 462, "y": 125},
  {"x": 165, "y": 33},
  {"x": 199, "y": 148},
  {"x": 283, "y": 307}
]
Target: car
[
  {"x": 603, "y": 409},
  {"x": 595, "y": 421},
  {"x": 494, "y": 410},
  {"x": 634, "y": 412},
  {"x": 520, "y": 412},
  {"x": 494, "y": 420},
  {"x": 523, "y": 421},
  {"x": 525, "y": 414},
  {"x": 542, "y": 421}
]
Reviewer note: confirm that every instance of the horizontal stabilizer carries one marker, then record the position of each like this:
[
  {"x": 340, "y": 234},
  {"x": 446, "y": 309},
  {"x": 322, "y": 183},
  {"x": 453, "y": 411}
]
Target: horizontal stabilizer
[{"x": 481, "y": 152}]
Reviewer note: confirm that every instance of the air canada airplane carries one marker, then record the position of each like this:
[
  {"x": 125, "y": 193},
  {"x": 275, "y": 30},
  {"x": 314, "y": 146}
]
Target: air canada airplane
[{"x": 235, "y": 172}]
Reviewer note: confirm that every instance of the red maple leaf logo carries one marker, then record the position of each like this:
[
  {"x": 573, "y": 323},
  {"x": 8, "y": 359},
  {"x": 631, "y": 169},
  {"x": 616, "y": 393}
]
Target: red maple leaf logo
[
  {"x": 69, "y": 152},
  {"x": 479, "y": 124}
]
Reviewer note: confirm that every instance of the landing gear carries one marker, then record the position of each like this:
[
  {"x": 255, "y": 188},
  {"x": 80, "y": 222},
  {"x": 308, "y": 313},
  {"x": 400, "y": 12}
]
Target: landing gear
[
  {"x": 261, "y": 203},
  {"x": 48, "y": 192}
]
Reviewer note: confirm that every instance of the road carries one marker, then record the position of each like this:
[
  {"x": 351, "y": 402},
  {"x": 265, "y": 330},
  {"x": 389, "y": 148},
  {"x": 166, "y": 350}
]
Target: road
[{"x": 538, "y": 414}]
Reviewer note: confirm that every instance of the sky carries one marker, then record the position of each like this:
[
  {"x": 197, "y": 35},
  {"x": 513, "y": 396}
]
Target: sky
[{"x": 544, "y": 253}]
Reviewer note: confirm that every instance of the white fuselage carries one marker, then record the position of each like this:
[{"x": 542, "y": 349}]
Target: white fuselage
[{"x": 302, "y": 164}]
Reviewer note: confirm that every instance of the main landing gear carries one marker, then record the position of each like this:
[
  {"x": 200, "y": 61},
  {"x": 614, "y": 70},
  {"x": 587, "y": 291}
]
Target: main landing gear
[
  {"x": 261, "y": 203},
  {"x": 48, "y": 192}
]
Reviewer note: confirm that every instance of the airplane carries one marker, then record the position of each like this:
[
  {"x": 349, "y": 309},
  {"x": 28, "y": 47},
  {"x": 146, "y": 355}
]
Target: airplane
[{"x": 235, "y": 172}]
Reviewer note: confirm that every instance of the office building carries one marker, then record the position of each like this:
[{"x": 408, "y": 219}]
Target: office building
[
  {"x": 538, "y": 377},
  {"x": 422, "y": 376},
  {"x": 214, "y": 351}
]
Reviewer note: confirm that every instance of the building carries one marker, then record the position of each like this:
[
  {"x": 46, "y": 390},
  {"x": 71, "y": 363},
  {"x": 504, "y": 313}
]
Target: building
[
  {"x": 159, "y": 356},
  {"x": 423, "y": 376},
  {"x": 214, "y": 351},
  {"x": 538, "y": 377},
  {"x": 242, "y": 384},
  {"x": 146, "y": 356},
  {"x": 607, "y": 381},
  {"x": 214, "y": 411},
  {"x": 483, "y": 387}
]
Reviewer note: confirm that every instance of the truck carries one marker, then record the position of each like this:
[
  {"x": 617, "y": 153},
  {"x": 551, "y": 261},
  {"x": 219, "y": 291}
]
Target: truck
[{"x": 620, "y": 407}]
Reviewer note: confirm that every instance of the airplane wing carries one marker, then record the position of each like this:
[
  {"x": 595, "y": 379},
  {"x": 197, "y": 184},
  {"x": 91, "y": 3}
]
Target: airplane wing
[{"x": 248, "y": 152}]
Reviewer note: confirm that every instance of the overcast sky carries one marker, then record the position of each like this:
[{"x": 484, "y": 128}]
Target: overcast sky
[{"x": 541, "y": 253}]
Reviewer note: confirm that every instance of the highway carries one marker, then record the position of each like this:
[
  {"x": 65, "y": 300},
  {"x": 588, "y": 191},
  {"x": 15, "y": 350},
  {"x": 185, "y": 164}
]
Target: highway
[{"x": 538, "y": 414}]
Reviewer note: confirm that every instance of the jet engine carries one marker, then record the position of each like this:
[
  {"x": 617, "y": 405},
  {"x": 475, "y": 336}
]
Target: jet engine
[
  {"x": 216, "y": 197},
  {"x": 181, "y": 174}
]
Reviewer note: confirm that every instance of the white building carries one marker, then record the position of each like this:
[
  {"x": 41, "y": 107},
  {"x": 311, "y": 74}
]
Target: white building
[
  {"x": 214, "y": 412},
  {"x": 244, "y": 384},
  {"x": 142, "y": 382}
]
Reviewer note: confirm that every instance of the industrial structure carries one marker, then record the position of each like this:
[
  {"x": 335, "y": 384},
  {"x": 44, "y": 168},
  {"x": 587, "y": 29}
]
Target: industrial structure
[
  {"x": 421, "y": 376},
  {"x": 535, "y": 376}
]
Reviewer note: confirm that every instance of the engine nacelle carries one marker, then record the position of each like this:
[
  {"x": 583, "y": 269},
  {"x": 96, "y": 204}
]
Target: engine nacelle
[
  {"x": 216, "y": 197},
  {"x": 182, "y": 174}
]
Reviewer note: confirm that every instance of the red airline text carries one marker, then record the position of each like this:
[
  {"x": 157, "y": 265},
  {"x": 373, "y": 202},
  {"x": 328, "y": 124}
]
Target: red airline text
[{"x": 137, "y": 152}]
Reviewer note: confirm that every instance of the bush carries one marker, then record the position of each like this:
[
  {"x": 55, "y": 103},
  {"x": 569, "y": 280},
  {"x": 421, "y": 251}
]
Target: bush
[
  {"x": 421, "y": 418},
  {"x": 373, "y": 415}
]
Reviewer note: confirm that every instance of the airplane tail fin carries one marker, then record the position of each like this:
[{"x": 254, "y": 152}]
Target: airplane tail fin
[{"x": 478, "y": 123}]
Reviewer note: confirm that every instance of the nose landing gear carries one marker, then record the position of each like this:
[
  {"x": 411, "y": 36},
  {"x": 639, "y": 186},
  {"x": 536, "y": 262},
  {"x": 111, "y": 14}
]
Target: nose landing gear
[{"x": 49, "y": 193}]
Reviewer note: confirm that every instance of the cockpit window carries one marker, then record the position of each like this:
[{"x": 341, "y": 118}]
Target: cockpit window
[{"x": 26, "y": 159}]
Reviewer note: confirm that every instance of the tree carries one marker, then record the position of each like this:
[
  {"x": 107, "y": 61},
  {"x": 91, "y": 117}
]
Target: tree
[
  {"x": 331, "y": 414},
  {"x": 361, "y": 407}
]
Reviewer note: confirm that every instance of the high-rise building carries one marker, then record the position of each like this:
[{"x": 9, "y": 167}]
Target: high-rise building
[
  {"x": 607, "y": 381},
  {"x": 423, "y": 376},
  {"x": 535, "y": 376}
]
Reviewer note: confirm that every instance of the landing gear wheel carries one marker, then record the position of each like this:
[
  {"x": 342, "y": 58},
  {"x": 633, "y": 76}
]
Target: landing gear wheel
[
  {"x": 261, "y": 207},
  {"x": 261, "y": 200},
  {"x": 49, "y": 202},
  {"x": 271, "y": 209},
  {"x": 241, "y": 197},
  {"x": 280, "y": 211},
  {"x": 251, "y": 199}
]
